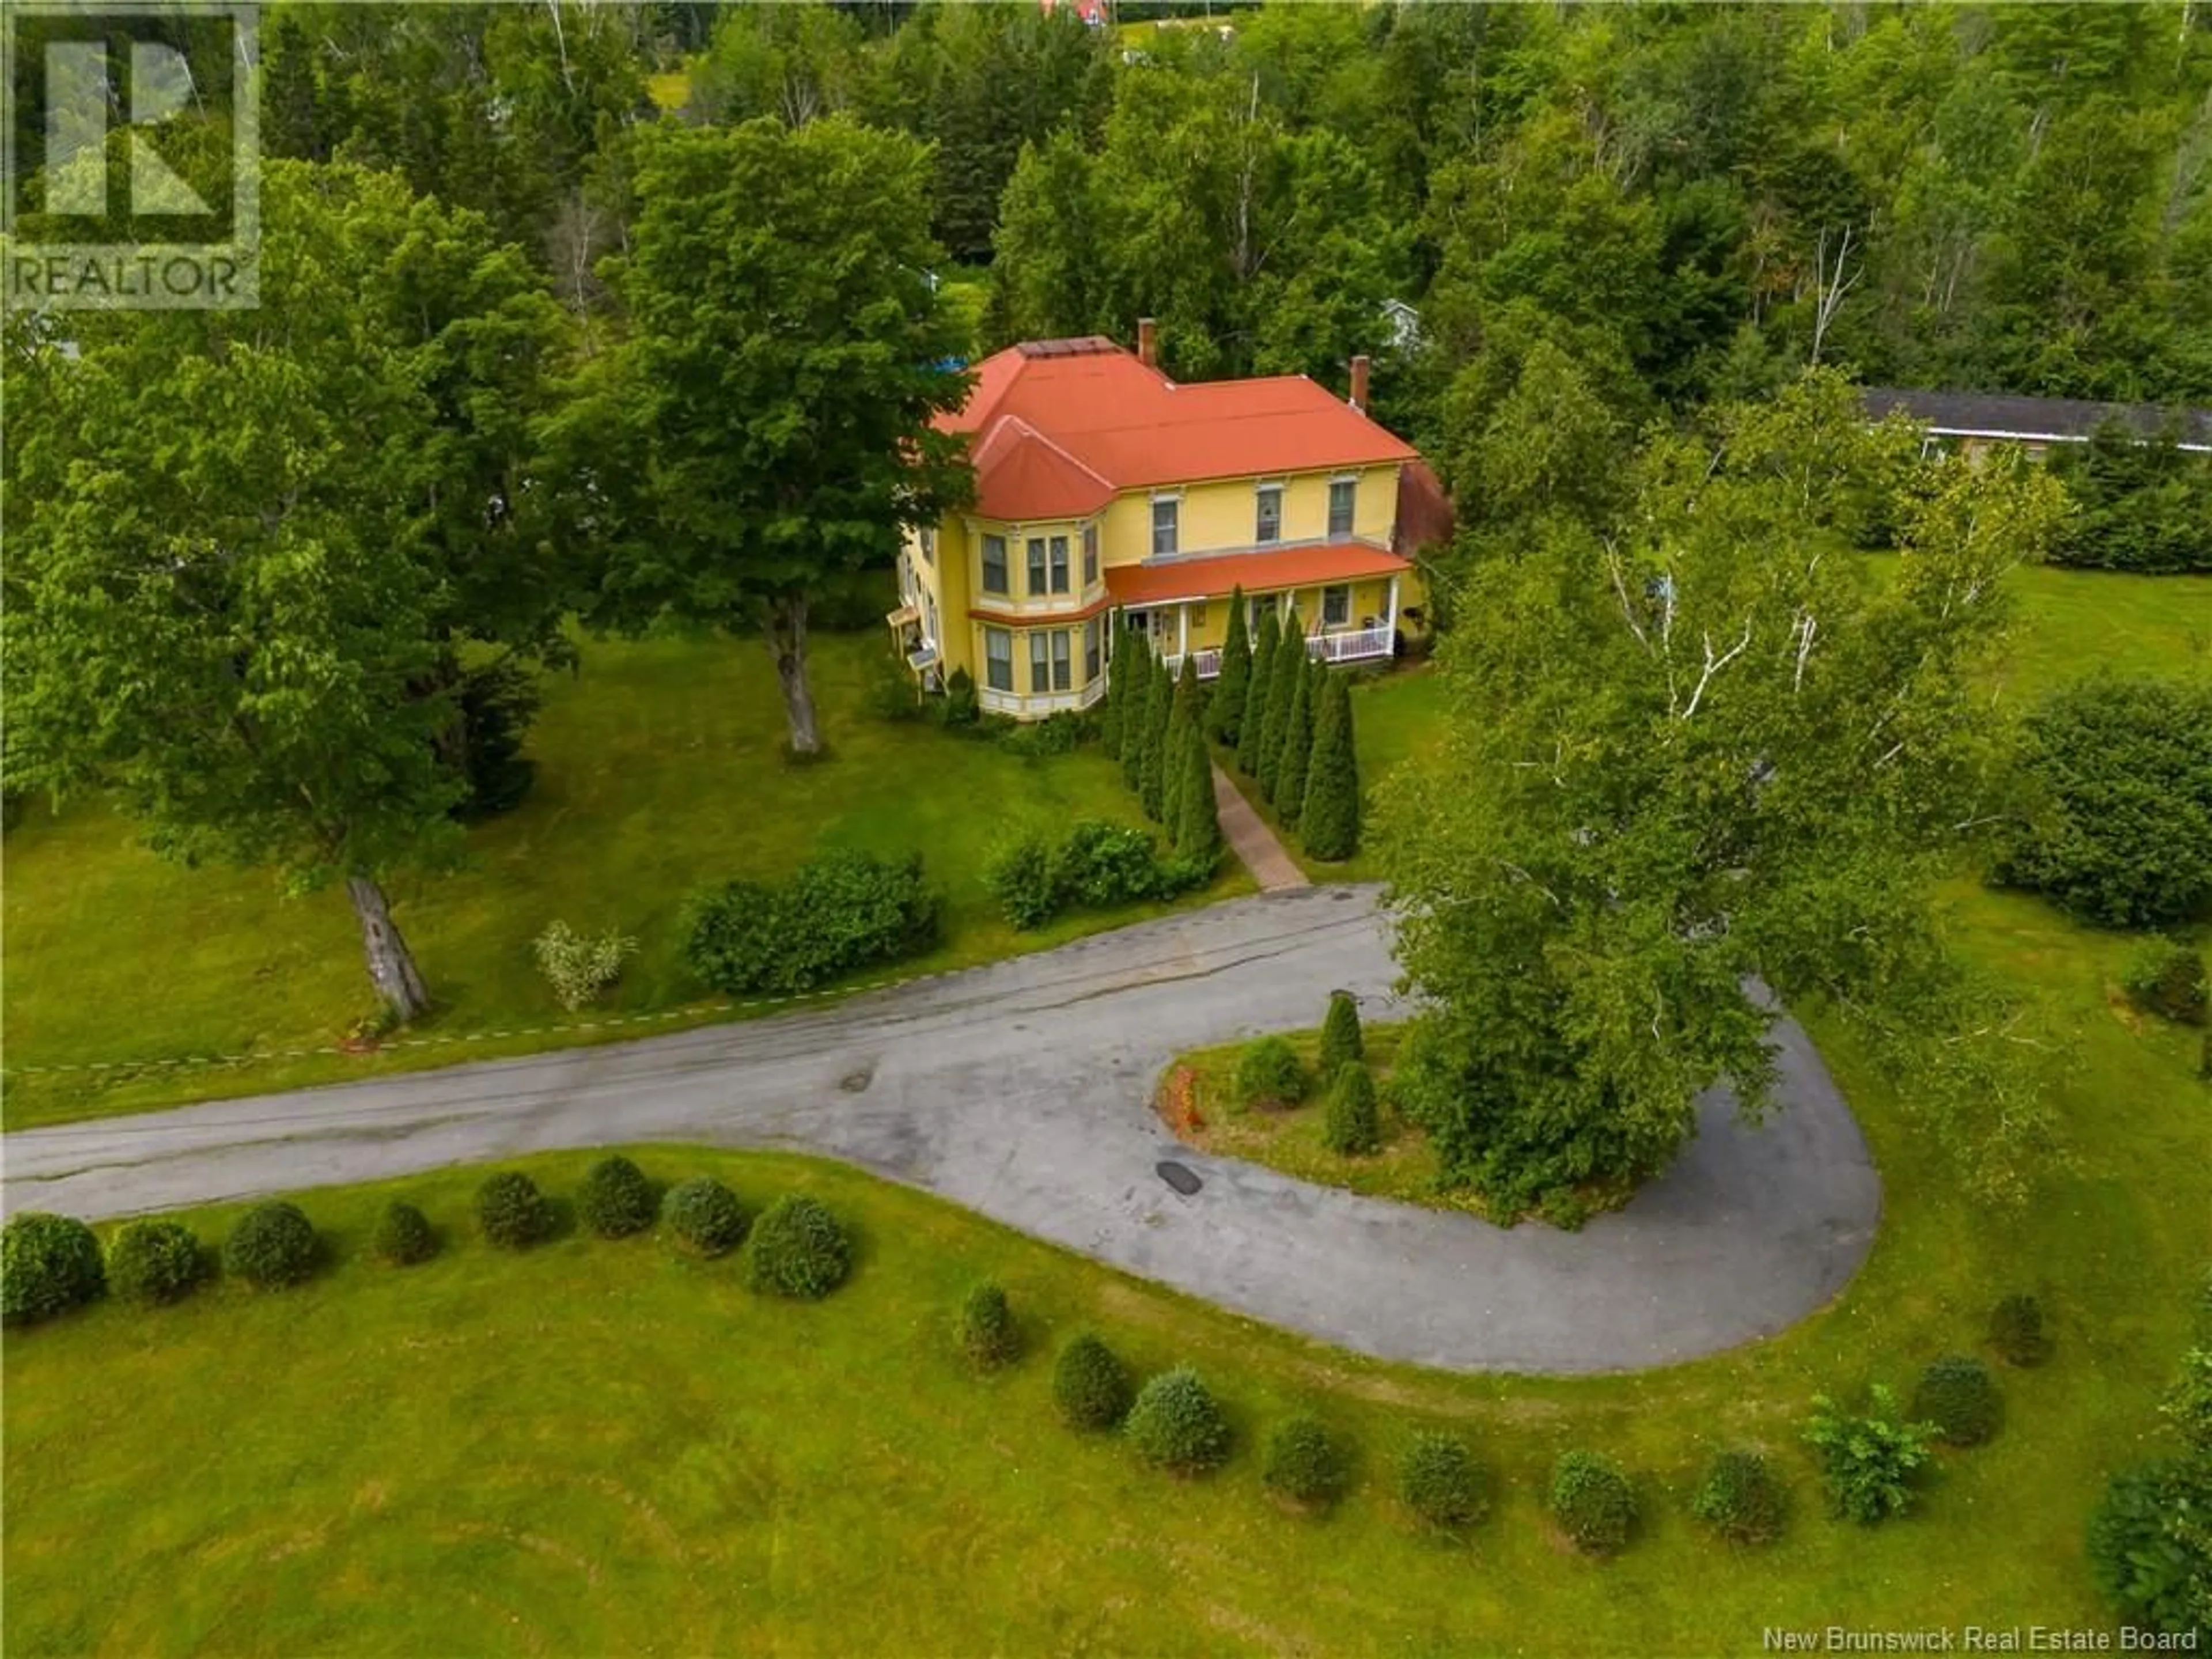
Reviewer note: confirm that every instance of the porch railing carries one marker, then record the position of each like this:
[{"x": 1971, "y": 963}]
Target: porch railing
[
  {"x": 1209, "y": 663},
  {"x": 1352, "y": 645}
]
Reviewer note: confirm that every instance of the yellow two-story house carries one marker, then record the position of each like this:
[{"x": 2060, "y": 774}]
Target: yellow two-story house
[{"x": 1105, "y": 491}]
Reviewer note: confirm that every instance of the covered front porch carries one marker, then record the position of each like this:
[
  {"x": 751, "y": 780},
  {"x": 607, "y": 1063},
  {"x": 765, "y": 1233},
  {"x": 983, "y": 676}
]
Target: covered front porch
[{"x": 1348, "y": 598}]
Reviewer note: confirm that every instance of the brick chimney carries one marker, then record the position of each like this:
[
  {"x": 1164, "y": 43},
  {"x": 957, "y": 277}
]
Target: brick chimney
[
  {"x": 1358, "y": 398},
  {"x": 1148, "y": 342}
]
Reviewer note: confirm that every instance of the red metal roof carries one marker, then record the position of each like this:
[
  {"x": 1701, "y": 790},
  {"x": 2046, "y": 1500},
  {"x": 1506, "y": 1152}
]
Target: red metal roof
[
  {"x": 1254, "y": 571},
  {"x": 1093, "y": 417}
]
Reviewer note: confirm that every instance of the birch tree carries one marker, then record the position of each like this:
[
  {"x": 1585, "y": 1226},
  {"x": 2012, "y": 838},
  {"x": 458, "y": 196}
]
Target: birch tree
[{"x": 1700, "y": 749}]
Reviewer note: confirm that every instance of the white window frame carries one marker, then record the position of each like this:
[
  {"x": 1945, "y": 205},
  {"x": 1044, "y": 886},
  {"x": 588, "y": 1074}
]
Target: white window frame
[
  {"x": 1336, "y": 599},
  {"x": 1033, "y": 564},
  {"x": 1091, "y": 555},
  {"x": 1063, "y": 660},
  {"x": 1003, "y": 636},
  {"x": 928, "y": 540},
  {"x": 1090, "y": 650},
  {"x": 1004, "y": 589},
  {"x": 1174, "y": 505},
  {"x": 1264, "y": 533},
  {"x": 1350, "y": 485},
  {"x": 1056, "y": 562}
]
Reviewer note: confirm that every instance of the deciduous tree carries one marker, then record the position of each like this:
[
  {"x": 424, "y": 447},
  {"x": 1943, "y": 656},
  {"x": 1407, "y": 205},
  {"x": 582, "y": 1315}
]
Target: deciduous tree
[{"x": 766, "y": 429}]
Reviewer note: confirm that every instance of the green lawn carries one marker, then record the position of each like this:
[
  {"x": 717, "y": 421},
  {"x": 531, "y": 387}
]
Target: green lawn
[
  {"x": 659, "y": 770},
  {"x": 600, "y": 1448}
]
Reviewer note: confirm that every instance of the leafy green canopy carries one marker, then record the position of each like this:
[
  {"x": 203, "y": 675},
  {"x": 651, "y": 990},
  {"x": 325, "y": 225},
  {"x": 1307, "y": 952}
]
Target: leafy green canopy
[
  {"x": 765, "y": 429},
  {"x": 1706, "y": 749}
]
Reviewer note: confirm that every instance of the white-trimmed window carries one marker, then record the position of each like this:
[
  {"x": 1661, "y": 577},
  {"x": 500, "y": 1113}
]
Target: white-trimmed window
[
  {"x": 1063, "y": 644},
  {"x": 1090, "y": 555},
  {"x": 1343, "y": 500},
  {"x": 1057, "y": 559},
  {"x": 1090, "y": 650},
  {"x": 929, "y": 539},
  {"x": 998, "y": 659},
  {"x": 1040, "y": 664},
  {"x": 1167, "y": 516},
  {"x": 1335, "y": 606},
  {"x": 995, "y": 565},
  {"x": 1260, "y": 604},
  {"x": 1036, "y": 567},
  {"x": 1197, "y": 616},
  {"x": 1268, "y": 520}
]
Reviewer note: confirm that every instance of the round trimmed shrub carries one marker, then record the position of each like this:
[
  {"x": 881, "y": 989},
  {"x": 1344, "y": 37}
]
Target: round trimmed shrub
[
  {"x": 1592, "y": 1502},
  {"x": 704, "y": 1217},
  {"x": 512, "y": 1213},
  {"x": 1740, "y": 1498},
  {"x": 799, "y": 1249},
  {"x": 48, "y": 1265},
  {"x": 1956, "y": 1395},
  {"x": 1351, "y": 1126},
  {"x": 1304, "y": 1462},
  {"x": 616, "y": 1199},
  {"x": 1441, "y": 1482},
  {"x": 403, "y": 1237},
  {"x": 988, "y": 1331},
  {"x": 1091, "y": 1384},
  {"x": 1269, "y": 1073},
  {"x": 154, "y": 1262},
  {"x": 1177, "y": 1425},
  {"x": 2016, "y": 1331},
  {"x": 272, "y": 1246}
]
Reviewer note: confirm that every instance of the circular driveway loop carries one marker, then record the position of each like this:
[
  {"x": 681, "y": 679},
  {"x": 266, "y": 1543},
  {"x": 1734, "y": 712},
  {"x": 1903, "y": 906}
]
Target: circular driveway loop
[{"x": 1020, "y": 1090}]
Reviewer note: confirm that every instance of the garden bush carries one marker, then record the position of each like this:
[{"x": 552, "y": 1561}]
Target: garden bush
[
  {"x": 2188, "y": 1403},
  {"x": 1867, "y": 1461},
  {"x": 580, "y": 969},
  {"x": 1091, "y": 1385},
  {"x": 1351, "y": 1126},
  {"x": 2016, "y": 1331},
  {"x": 1341, "y": 1039},
  {"x": 960, "y": 708},
  {"x": 272, "y": 1246},
  {"x": 2120, "y": 776},
  {"x": 1741, "y": 1499},
  {"x": 841, "y": 911},
  {"x": 154, "y": 1262},
  {"x": 512, "y": 1213},
  {"x": 1592, "y": 1503},
  {"x": 616, "y": 1199},
  {"x": 1956, "y": 1394},
  {"x": 2167, "y": 980},
  {"x": 1018, "y": 874},
  {"x": 1304, "y": 1464},
  {"x": 1441, "y": 1482},
  {"x": 1177, "y": 1425},
  {"x": 704, "y": 1217},
  {"x": 403, "y": 1237},
  {"x": 2150, "y": 1548},
  {"x": 1268, "y": 1073},
  {"x": 798, "y": 1249},
  {"x": 49, "y": 1264},
  {"x": 988, "y": 1331}
]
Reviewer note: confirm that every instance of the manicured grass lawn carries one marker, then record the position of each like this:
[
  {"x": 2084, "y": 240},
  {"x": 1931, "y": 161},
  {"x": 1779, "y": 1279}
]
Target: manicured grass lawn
[
  {"x": 601, "y": 1447},
  {"x": 658, "y": 770},
  {"x": 1289, "y": 1139}
]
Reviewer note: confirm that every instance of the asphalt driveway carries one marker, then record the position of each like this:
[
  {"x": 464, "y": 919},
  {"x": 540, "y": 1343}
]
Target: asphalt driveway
[{"x": 1020, "y": 1089}]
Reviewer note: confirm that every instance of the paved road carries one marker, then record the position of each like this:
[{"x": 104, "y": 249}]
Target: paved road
[{"x": 1020, "y": 1089}]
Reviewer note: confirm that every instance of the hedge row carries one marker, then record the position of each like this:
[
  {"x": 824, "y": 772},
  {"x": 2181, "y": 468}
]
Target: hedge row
[
  {"x": 51, "y": 1264},
  {"x": 1868, "y": 1458}
]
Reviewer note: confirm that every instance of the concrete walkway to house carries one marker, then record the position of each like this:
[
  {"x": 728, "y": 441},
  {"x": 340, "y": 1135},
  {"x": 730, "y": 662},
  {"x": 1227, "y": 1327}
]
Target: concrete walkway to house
[
  {"x": 1021, "y": 1090},
  {"x": 1256, "y": 846}
]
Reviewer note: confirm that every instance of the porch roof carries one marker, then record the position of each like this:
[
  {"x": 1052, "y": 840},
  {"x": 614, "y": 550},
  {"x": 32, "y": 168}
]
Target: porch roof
[{"x": 1170, "y": 581}]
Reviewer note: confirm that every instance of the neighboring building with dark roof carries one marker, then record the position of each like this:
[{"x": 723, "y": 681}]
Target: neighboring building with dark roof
[
  {"x": 1975, "y": 419},
  {"x": 1105, "y": 490}
]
